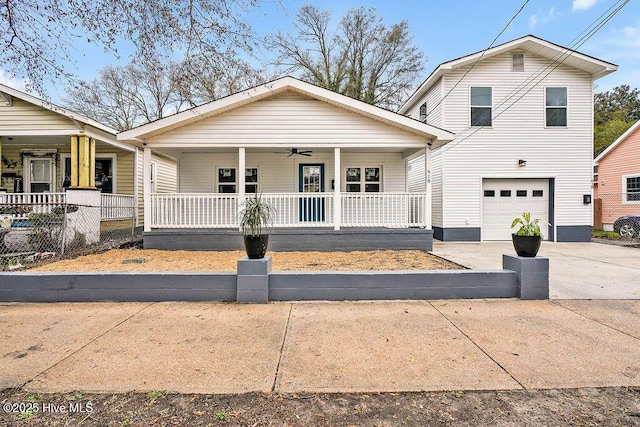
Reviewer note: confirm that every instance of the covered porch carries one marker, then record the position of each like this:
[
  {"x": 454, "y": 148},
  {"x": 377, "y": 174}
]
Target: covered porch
[{"x": 329, "y": 199}]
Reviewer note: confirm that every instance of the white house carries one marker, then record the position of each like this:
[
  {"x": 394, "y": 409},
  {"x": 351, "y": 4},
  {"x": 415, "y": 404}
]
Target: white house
[
  {"x": 334, "y": 168},
  {"x": 522, "y": 113}
]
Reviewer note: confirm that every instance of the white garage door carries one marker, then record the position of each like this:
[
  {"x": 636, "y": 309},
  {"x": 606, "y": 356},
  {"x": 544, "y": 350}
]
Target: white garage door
[{"x": 505, "y": 199}]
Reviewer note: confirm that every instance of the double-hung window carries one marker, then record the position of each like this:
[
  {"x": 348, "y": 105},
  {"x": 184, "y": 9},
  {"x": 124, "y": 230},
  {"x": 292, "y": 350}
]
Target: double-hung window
[
  {"x": 363, "y": 179},
  {"x": 228, "y": 180},
  {"x": 631, "y": 186},
  {"x": 481, "y": 105},
  {"x": 556, "y": 106}
]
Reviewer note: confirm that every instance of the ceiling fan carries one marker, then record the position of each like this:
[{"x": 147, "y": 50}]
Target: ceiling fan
[{"x": 294, "y": 151}]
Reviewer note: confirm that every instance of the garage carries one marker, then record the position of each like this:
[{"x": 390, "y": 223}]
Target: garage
[{"x": 505, "y": 199}]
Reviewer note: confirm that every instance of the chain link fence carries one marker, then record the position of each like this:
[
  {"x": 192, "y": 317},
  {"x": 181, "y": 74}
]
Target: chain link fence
[
  {"x": 618, "y": 213},
  {"x": 32, "y": 233}
]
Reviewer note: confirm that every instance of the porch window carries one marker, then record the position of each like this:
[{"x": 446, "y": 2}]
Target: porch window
[
  {"x": 556, "y": 106},
  {"x": 632, "y": 188},
  {"x": 363, "y": 179},
  {"x": 227, "y": 180},
  {"x": 481, "y": 105},
  {"x": 104, "y": 176}
]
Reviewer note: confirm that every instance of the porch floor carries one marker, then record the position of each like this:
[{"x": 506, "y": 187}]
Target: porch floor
[{"x": 293, "y": 239}]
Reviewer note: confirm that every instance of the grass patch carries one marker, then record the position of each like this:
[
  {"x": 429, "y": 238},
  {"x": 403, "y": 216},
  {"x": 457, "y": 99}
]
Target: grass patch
[{"x": 605, "y": 234}]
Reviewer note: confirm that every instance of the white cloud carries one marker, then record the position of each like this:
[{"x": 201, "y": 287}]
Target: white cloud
[
  {"x": 542, "y": 17},
  {"x": 583, "y": 4},
  {"x": 8, "y": 80}
]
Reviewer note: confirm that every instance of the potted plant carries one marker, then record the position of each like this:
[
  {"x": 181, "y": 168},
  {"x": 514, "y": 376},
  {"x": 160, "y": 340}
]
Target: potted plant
[
  {"x": 527, "y": 239},
  {"x": 255, "y": 215}
]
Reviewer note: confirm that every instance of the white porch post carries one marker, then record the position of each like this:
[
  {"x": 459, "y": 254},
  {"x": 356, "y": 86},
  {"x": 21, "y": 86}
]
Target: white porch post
[
  {"x": 337, "y": 207},
  {"x": 427, "y": 178},
  {"x": 242, "y": 162},
  {"x": 146, "y": 187}
]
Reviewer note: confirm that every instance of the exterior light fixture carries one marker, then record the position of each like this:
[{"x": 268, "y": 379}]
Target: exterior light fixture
[{"x": 522, "y": 163}]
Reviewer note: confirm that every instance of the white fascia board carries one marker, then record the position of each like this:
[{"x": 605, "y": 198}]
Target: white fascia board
[
  {"x": 549, "y": 50},
  {"x": 617, "y": 142},
  {"x": 56, "y": 109},
  {"x": 269, "y": 89}
]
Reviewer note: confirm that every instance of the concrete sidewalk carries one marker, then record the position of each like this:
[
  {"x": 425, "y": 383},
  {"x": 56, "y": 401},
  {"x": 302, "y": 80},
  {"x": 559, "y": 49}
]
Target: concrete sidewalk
[{"x": 319, "y": 347}]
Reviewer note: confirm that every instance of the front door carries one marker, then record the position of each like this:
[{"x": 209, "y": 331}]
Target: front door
[{"x": 311, "y": 180}]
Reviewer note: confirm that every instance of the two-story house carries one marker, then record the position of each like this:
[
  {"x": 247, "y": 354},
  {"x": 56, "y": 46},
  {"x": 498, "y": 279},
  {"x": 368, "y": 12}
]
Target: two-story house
[{"x": 522, "y": 113}]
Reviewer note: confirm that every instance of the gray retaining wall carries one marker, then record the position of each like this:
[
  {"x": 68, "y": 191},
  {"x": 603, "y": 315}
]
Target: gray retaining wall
[{"x": 293, "y": 239}]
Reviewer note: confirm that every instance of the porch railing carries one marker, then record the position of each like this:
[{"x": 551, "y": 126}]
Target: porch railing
[
  {"x": 399, "y": 210},
  {"x": 194, "y": 210},
  {"x": 31, "y": 202},
  {"x": 117, "y": 206},
  {"x": 214, "y": 210}
]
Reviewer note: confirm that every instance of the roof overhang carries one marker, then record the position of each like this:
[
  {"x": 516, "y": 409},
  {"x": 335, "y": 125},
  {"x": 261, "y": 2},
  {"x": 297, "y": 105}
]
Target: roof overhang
[
  {"x": 140, "y": 134},
  {"x": 82, "y": 124},
  {"x": 537, "y": 46}
]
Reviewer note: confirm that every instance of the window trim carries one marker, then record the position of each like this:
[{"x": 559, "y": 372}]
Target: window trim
[
  {"x": 471, "y": 106},
  {"x": 217, "y": 183},
  {"x": 363, "y": 182},
  {"x": 566, "y": 107},
  {"x": 513, "y": 69},
  {"x": 625, "y": 189},
  {"x": 153, "y": 176}
]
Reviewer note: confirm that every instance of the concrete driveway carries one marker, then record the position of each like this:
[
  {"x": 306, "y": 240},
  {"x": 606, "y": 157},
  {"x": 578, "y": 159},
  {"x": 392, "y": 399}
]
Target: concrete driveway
[{"x": 577, "y": 270}]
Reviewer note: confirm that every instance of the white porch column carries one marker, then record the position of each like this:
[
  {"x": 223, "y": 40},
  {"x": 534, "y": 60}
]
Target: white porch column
[
  {"x": 337, "y": 205},
  {"x": 242, "y": 166},
  {"x": 146, "y": 187},
  {"x": 427, "y": 186}
]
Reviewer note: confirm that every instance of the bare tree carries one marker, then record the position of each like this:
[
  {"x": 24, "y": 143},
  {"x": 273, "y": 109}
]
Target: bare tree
[
  {"x": 362, "y": 58},
  {"x": 137, "y": 93},
  {"x": 40, "y": 37}
]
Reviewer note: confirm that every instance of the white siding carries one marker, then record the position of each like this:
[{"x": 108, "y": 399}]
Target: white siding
[
  {"x": 518, "y": 132},
  {"x": 289, "y": 120},
  {"x": 166, "y": 174},
  {"x": 433, "y": 98},
  {"x": 436, "y": 189},
  {"x": 279, "y": 173},
  {"x": 416, "y": 183}
]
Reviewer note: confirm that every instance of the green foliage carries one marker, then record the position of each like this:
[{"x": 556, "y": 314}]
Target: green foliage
[
  {"x": 255, "y": 215},
  {"x": 605, "y": 234},
  {"x": 221, "y": 415},
  {"x": 606, "y": 133},
  {"x": 154, "y": 395},
  {"x": 621, "y": 102},
  {"x": 46, "y": 231},
  {"x": 614, "y": 112},
  {"x": 528, "y": 227}
]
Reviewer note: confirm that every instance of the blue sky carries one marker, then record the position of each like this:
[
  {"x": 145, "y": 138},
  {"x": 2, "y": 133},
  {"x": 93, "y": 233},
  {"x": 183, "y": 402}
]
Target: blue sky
[{"x": 448, "y": 30}]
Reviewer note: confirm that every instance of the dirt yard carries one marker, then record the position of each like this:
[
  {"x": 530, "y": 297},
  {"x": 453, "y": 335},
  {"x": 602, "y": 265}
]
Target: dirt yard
[
  {"x": 200, "y": 261},
  {"x": 568, "y": 407}
]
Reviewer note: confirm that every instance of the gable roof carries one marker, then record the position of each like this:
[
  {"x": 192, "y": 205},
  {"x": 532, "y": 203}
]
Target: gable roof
[
  {"x": 596, "y": 67},
  {"x": 617, "y": 142},
  {"x": 99, "y": 131},
  {"x": 274, "y": 88}
]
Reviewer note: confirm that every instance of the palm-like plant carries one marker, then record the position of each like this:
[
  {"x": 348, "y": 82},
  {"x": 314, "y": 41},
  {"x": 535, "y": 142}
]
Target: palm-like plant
[
  {"x": 255, "y": 215},
  {"x": 528, "y": 227}
]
